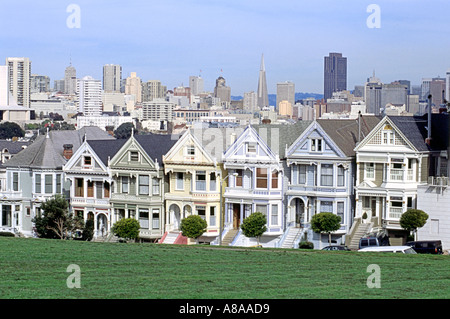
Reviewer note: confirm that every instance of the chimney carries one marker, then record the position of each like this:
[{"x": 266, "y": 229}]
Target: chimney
[{"x": 68, "y": 151}]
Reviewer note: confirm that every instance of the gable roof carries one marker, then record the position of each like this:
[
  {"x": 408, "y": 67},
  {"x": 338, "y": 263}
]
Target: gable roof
[
  {"x": 47, "y": 150},
  {"x": 156, "y": 145},
  {"x": 345, "y": 132},
  {"x": 106, "y": 148}
]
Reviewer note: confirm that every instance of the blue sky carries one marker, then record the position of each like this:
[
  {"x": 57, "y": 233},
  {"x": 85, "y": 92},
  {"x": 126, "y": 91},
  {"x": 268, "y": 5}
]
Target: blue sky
[{"x": 170, "y": 40}]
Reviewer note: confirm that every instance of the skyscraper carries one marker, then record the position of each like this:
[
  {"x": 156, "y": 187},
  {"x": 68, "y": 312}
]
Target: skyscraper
[
  {"x": 222, "y": 91},
  {"x": 70, "y": 80},
  {"x": 196, "y": 84},
  {"x": 89, "y": 96},
  {"x": 335, "y": 74},
  {"x": 112, "y": 77},
  {"x": 20, "y": 79},
  {"x": 4, "y": 85},
  {"x": 262, "y": 94},
  {"x": 133, "y": 86},
  {"x": 447, "y": 86},
  {"x": 249, "y": 102},
  {"x": 285, "y": 92}
]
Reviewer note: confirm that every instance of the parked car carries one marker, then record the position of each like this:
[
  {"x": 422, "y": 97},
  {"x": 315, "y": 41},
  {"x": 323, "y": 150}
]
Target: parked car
[
  {"x": 391, "y": 249},
  {"x": 426, "y": 246},
  {"x": 369, "y": 242},
  {"x": 336, "y": 247}
]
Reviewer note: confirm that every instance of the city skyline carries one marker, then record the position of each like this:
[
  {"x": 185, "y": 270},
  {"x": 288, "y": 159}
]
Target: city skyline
[{"x": 172, "y": 40}]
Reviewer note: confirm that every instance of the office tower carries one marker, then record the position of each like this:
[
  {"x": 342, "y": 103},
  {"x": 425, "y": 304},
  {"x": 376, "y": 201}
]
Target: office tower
[
  {"x": 262, "y": 93},
  {"x": 20, "y": 79},
  {"x": 425, "y": 88},
  {"x": 372, "y": 95},
  {"x": 89, "y": 96},
  {"x": 222, "y": 91},
  {"x": 406, "y": 83},
  {"x": 250, "y": 101},
  {"x": 285, "y": 92},
  {"x": 4, "y": 85},
  {"x": 285, "y": 108},
  {"x": 196, "y": 84},
  {"x": 447, "y": 86},
  {"x": 437, "y": 91},
  {"x": 157, "y": 110},
  {"x": 58, "y": 86},
  {"x": 133, "y": 86},
  {"x": 40, "y": 83},
  {"x": 70, "y": 80},
  {"x": 378, "y": 95},
  {"x": 335, "y": 74},
  {"x": 183, "y": 91},
  {"x": 112, "y": 77},
  {"x": 153, "y": 89}
]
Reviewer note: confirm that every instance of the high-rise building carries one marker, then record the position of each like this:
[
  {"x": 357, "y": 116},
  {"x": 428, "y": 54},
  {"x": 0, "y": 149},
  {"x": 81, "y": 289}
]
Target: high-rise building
[
  {"x": 447, "y": 86},
  {"x": 222, "y": 91},
  {"x": 133, "y": 86},
  {"x": 40, "y": 83},
  {"x": 377, "y": 95},
  {"x": 70, "y": 80},
  {"x": 285, "y": 108},
  {"x": 425, "y": 88},
  {"x": 89, "y": 96},
  {"x": 20, "y": 79},
  {"x": 196, "y": 84},
  {"x": 250, "y": 101},
  {"x": 153, "y": 89},
  {"x": 157, "y": 110},
  {"x": 262, "y": 93},
  {"x": 112, "y": 77},
  {"x": 335, "y": 74},
  {"x": 437, "y": 91},
  {"x": 58, "y": 86},
  {"x": 4, "y": 85},
  {"x": 285, "y": 92}
]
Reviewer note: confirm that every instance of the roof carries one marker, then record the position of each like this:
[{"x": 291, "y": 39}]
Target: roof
[
  {"x": 281, "y": 135},
  {"x": 13, "y": 147},
  {"x": 345, "y": 132},
  {"x": 106, "y": 149},
  {"x": 156, "y": 145},
  {"x": 47, "y": 150}
]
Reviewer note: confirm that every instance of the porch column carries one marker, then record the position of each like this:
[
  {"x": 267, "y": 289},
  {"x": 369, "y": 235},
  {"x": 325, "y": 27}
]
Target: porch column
[{"x": 241, "y": 206}]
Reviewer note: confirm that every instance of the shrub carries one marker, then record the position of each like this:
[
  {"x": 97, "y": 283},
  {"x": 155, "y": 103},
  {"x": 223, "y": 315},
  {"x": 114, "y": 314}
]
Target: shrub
[
  {"x": 306, "y": 245},
  {"x": 6, "y": 234},
  {"x": 127, "y": 228},
  {"x": 88, "y": 231},
  {"x": 193, "y": 226}
]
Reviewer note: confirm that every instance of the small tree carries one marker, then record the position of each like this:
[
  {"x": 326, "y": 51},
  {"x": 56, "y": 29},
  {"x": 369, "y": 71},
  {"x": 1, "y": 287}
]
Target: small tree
[
  {"x": 88, "y": 230},
  {"x": 57, "y": 221},
  {"x": 254, "y": 225},
  {"x": 193, "y": 226},
  {"x": 124, "y": 131},
  {"x": 413, "y": 219},
  {"x": 325, "y": 223},
  {"x": 10, "y": 130},
  {"x": 127, "y": 228}
]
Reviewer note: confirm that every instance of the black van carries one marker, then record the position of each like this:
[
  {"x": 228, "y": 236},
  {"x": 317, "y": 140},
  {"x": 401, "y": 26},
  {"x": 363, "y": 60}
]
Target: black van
[{"x": 426, "y": 246}]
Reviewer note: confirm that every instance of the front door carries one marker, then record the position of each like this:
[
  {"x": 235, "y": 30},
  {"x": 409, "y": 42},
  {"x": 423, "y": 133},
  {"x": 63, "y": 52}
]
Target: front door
[{"x": 236, "y": 216}]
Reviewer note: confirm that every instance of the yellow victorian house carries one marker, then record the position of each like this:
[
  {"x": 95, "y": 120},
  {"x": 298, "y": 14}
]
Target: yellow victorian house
[{"x": 194, "y": 188}]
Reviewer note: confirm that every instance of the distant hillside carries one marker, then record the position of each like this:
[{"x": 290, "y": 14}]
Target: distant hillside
[{"x": 298, "y": 96}]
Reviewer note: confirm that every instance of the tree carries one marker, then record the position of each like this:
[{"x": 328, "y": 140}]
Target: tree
[
  {"x": 254, "y": 225},
  {"x": 413, "y": 219},
  {"x": 127, "y": 228},
  {"x": 124, "y": 131},
  {"x": 88, "y": 230},
  {"x": 325, "y": 223},
  {"x": 193, "y": 226},
  {"x": 10, "y": 130},
  {"x": 56, "y": 220}
]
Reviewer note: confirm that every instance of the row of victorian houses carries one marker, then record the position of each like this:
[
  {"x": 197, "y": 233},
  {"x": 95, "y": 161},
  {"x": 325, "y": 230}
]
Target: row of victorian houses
[{"x": 367, "y": 171}]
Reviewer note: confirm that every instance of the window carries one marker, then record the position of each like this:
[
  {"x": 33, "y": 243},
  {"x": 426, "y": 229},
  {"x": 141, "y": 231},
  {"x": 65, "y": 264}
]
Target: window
[
  {"x": 261, "y": 178},
  {"x": 144, "y": 185},
  {"x": 274, "y": 216},
  {"x": 369, "y": 169},
  {"x": 79, "y": 187},
  {"x": 201, "y": 211},
  {"x": 37, "y": 183},
  {"x": 212, "y": 216},
  {"x": 326, "y": 206},
  {"x": 58, "y": 184},
  {"x": 275, "y": 179},
  {"x": 262, "y": 209},
  {"x": 106, "y": 188},
  {"x": 143, "y": 218},
  {"x": 190, "y": 150},
  {"x": 409, "y": 203},
  {"x": 212, "y": 182},
  {"x": 90, "y": 189},
  {"x": 326, "y": 175},
  {"x": 316, "y": 145},
  {"x": 302, "y": 174},
  {"x": 200, "y": 181},
  {"x": 87, "y": 160},
  {"x": 48, "y": 184},
  {"x": 180, "y": 181},
  {"x": 239, "y": 177},
  {"x": 134, "y": 156},
  {"x": 155, "y": 219},
  {"x": 340, "y": 176},
  {"x": 155, "y": 186},
  {"x": 99, "y": 189},
  {"x": 340, "y": 211},
  {"x": 6, "y": 215},
  {"x": 125, "y": 184},
  {"x": 251, "y": 148},
  {"x": 15, "y": 182}
]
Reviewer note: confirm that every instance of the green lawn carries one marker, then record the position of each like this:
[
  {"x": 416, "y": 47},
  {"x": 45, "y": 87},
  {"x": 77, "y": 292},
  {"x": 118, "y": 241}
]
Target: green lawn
[{"x": 36, "y": 268}]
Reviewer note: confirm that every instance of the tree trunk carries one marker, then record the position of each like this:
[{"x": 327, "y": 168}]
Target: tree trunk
[{"x": 329, "y": 238}]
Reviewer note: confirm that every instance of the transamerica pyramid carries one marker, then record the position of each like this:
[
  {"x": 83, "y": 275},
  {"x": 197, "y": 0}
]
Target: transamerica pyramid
[{"x": 262, "y": 94}]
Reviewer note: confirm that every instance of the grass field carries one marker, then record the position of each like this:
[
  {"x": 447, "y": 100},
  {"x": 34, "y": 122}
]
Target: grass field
[{"x": 36, "y": 268}]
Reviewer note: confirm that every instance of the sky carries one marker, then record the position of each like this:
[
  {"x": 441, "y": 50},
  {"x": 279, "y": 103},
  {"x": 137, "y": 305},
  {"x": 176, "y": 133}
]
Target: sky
[{"x": 170, "y": 40}]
